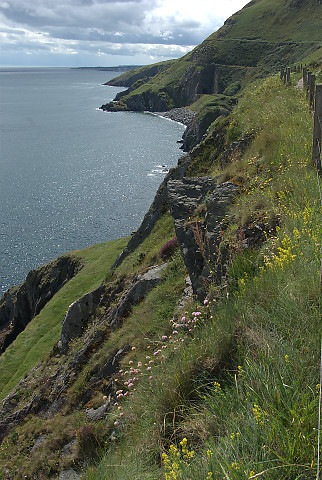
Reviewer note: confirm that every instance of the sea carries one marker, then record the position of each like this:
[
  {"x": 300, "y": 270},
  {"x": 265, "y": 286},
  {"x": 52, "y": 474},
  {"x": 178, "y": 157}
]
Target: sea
[{"x": 72, "y": 175}]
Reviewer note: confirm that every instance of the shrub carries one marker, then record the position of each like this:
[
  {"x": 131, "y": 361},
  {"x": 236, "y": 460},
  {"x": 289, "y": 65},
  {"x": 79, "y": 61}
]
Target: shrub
[{"x": 168, "y": 249}]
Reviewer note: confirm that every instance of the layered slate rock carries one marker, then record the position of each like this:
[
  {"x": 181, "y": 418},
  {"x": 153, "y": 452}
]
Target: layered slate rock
[
  {"x": 77, "y": 317},
  {"x": 199, "y": 238},
  {"x": 21, "y": 304}
]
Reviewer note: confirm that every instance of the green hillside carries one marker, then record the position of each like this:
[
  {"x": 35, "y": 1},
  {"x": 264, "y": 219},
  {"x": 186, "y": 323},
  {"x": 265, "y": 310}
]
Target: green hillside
[{"x": 258, "y": 39}]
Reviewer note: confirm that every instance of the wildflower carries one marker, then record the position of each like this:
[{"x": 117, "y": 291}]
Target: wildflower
[
  {"x": 286, "y": 359},
  {"x": 217, "y": 389},
  {"x": 258, "y": 414},
  {"x": 209, "y": 453}
]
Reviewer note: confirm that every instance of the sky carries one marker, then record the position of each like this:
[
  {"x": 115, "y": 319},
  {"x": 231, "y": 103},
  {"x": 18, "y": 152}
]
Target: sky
[{"x": 106, "y": 32}]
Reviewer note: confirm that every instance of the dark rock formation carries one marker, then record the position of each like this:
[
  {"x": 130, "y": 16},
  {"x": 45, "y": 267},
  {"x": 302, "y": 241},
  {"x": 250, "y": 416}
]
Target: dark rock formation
[
  {"x": 238, "y": 147},
  {"x": 112, "y": 364},
  {"x": 141, "y": 285},
  {"x": 20, "y": 304},
  {"x": 196, "y": 130},
  {"x": 199, "y": 239}
]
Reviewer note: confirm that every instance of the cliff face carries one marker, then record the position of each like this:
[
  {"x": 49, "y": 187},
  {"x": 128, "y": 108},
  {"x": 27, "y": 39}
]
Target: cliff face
[{"x": 21, "y": 304}]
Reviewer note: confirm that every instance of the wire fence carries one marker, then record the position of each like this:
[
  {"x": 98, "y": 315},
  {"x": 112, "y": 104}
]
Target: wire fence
[{"x": 314, "y": 95}]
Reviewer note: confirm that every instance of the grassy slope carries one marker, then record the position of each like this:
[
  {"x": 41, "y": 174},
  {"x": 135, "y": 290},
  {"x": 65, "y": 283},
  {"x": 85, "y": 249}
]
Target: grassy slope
[
  {"x": 44, "y": 330},
  {"x": 242, "y": 389},
  {"x": 275, "y": 21}
]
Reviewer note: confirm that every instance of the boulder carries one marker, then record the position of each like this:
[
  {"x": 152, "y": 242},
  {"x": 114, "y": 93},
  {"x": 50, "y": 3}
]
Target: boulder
[{"x": 77, "y": 317}]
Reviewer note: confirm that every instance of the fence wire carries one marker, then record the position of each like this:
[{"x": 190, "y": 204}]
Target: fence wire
[{"x": 318, "y": 167}]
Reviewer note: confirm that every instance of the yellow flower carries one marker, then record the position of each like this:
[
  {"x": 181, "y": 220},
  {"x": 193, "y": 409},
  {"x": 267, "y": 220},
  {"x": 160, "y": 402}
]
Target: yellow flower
[{"x": 258, "y": 414}]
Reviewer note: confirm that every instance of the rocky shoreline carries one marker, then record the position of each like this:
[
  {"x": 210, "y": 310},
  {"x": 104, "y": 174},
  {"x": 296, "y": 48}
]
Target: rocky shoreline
[{"x": 180, "y": 115}]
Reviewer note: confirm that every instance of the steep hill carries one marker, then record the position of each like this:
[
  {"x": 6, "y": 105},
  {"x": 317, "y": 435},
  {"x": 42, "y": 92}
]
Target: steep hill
[{"x": 258, "y": 39}]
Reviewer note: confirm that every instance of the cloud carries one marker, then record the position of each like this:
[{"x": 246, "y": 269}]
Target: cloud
[{"x": 162, "y": 28}]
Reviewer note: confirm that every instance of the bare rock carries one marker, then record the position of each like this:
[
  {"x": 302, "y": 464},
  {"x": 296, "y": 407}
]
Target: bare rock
[
  {"x": 77, "y": 317},
  {"x": 21, "y": 304},
  {"x": 69, "y": 475},
  {"x": 198, "y": 239}
]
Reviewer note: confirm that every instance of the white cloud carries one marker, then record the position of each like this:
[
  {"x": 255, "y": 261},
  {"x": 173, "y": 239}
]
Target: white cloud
[{"x": 160, "y": 28}]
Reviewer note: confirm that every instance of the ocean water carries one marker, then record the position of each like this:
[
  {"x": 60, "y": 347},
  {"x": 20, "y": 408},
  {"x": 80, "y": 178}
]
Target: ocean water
[{"x": 70, "y": 174}]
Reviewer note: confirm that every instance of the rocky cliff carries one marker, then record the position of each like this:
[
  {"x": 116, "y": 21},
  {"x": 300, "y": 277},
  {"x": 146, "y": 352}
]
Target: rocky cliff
[{"x": 21, "y": 304}]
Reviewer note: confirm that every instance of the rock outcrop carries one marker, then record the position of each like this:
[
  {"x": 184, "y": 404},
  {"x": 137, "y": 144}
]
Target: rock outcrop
[
  {"x": 77, "y": 317},
  {"x": 22, "y": 303},
  {"x": 199, "y": 235}
]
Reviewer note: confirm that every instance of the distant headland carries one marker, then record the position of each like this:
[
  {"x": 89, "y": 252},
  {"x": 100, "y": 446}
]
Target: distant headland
[{"x": 118, "y": 68}]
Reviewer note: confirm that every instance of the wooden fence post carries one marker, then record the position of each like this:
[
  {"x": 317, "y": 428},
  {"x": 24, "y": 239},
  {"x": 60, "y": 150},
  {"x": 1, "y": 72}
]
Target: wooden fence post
[
  {"x": 311, "y": 91},
  {"x": 288, "y": 76},
  {"x": 316, "y": 156},
  {"x": 308, "y": 83},
  {"x": 304, "y": 78},
  {"x": 282, "y": 74}
]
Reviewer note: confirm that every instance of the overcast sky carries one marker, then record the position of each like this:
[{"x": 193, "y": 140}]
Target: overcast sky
[{"x": 106, "y": 32}]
